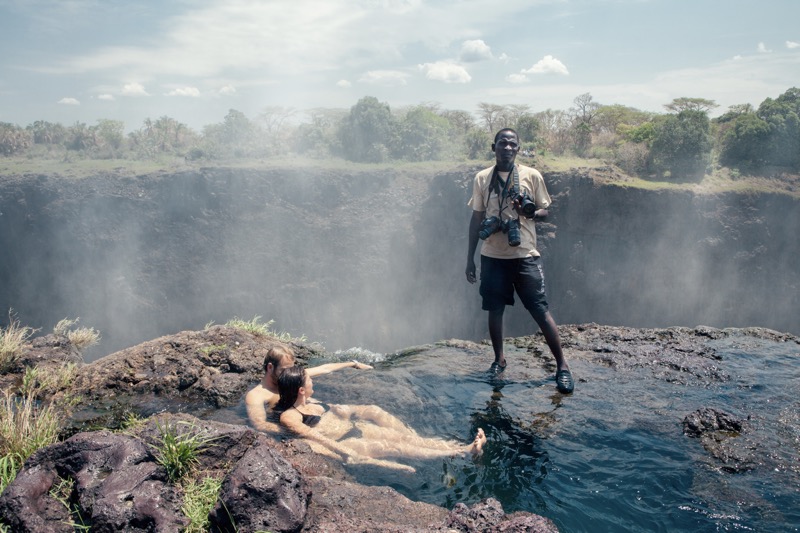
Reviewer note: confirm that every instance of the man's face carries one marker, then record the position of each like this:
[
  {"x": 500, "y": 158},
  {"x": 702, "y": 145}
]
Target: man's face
[
  {"x": 276, "y": 370},
  {"x": 506, "y": 148}
]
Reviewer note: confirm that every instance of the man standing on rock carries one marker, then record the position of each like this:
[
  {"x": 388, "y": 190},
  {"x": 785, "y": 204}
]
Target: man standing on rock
[
  {"x": 506, "y": 198},
  {"x": 264, "y": 396}
]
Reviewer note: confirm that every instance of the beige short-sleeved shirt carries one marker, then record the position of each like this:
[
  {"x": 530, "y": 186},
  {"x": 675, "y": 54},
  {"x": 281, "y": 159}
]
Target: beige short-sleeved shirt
[{"x": 496, "y": 245}]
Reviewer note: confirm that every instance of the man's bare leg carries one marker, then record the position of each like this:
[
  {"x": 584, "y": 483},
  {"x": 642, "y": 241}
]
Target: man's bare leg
[{"x": 496, "y": 334}]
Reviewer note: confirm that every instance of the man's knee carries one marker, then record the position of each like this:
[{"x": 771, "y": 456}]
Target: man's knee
[{"x": 540, "y": 315}]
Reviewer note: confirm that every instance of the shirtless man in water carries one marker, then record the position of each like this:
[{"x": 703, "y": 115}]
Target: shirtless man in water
[{"x": 264, "y": 396}]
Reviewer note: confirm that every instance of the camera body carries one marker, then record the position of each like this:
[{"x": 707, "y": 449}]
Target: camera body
[
  {"x": 492, "y": 225},
  {"x": 526, "y": 206}
]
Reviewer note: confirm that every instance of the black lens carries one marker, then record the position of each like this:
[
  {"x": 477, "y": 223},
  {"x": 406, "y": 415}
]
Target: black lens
[{"x": 513, "y": 232}]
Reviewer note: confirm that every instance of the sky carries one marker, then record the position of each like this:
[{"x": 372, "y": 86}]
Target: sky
[{"x": 73, "y": 61}]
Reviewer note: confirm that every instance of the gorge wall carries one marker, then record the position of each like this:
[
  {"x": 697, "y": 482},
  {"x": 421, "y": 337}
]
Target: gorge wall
[{"x": 374, "y": 257}]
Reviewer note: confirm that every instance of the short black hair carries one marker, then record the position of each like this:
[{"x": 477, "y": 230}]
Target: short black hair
[{"x": 497, "y": 135}]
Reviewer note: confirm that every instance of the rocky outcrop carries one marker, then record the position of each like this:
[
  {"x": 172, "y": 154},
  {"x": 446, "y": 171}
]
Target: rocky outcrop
[
  {"x": 725, "y": 437},
  {"x": 197, "y": 370}
]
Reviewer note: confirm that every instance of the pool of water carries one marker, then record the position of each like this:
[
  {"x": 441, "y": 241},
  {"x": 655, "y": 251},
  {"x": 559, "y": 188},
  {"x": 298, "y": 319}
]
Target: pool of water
[{"x": 612, "y": 457}]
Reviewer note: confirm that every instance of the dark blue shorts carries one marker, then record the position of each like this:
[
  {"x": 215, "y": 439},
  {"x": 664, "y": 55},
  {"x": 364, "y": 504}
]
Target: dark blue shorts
[{"x": 501, "y": 277}]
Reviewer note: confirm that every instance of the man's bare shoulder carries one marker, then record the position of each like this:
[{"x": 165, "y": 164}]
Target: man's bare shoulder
[{"x": 258, "y": 395}]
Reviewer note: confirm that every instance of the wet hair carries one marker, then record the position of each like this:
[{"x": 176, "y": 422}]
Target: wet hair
[
  {"x": 289, "y": 383},
  {"x": 276, "y": 355},
  {"x": 505, "y": 130}
]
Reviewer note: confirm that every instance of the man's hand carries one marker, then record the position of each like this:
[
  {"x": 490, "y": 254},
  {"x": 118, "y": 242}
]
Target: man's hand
[{"x": 470, "y": 272}]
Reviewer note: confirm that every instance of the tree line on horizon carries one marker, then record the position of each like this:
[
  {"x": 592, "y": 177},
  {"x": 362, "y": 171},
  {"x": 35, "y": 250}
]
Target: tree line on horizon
[{"x": 681, "y": 144}]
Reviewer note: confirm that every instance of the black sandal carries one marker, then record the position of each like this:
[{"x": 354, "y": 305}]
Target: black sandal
[
  {"x": 564, "y": 382},
  {"x": 496, "y": 368}
]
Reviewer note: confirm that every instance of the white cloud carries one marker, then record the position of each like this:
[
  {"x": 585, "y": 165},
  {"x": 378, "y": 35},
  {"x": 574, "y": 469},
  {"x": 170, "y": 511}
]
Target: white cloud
[
  {"x": 446, "y": 72},
  {"x": 343, "y": 83},
  {"x": 69, "y": 101},
  {"x": 791, "y": 44},
  {"x": 762, "y": 48},
  {"x": 134, "y": 89},
  {"x": 548, "y": 65},
  {"x": 516, "y": 78},
  {"x": 193, "y": 92},
  {"x": 504, "y": 58},
  {"x": 477, "y": 50},
  {"x": 384, "y": 77},
  {"x": 227, "y": 90},
  {"x": 107, "y": 97}
]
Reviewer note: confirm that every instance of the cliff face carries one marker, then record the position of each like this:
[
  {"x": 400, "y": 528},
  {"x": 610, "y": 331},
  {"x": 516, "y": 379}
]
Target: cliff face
[{"x": 375, "y": 258}]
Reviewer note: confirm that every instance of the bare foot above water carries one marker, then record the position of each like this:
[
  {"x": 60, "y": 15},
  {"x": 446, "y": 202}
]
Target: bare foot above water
[{"x": 476, "y": 448}]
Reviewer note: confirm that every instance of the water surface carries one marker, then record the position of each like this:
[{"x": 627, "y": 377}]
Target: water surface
[{"x": 612, "y": 457}]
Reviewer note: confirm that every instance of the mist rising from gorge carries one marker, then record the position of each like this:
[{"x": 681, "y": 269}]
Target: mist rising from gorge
[{"x": 375, "y": 257}]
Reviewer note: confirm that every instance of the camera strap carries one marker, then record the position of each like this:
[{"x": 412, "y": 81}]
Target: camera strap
[{"x": 501, "y": 188}]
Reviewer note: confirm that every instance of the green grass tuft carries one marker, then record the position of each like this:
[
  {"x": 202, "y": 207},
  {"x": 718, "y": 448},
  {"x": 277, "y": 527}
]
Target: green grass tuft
[
  {"x": 178, "y": 451},
  {"x": 12, "y": 340},
  {"x": 199, "y": 498},
  {"x": 256, "y": 327}
]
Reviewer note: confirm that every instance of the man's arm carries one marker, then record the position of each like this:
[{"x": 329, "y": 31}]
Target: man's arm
[
  {"x": 257, "y": 412},
  {"x": 474, "y": 226},
  {"x": 332, "y": 367}
]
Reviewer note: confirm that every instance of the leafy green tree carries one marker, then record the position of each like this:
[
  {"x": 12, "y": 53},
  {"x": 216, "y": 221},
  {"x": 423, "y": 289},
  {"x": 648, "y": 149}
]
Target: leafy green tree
[
  {"x": 422, "y": 135},
  {"x": 276, "y": 126},
  {"x": 746, "y": 142},
  {"x": 492, "y": 116},
  {"x": 460, "y": 121},
  {"x": 478, "y": 144},
  {"x": 770, "y": 136},
  {"x": 319, "y": 136},
  {"x": 47, "y": 132},
  {"x": 783, "y": 117},
  {"x": 163, "y": 136},
  {"x": 612, "y": 118},
  {"x": 583, "y": 115},
  {"x": 682, "y": 145},
  {"x": 366, "y": 134},
  {"x": 556, "y": 130},
  {"x": 13, "y": 139},
  {"x": 691, "y": 104},
  {"x": 528, "y": 129},
  {"x": 110, "y": 133},
  {"x": 80, "y": 137},
  {"x": 644, "y": 133},
  {"x": 235, "y": 136}
]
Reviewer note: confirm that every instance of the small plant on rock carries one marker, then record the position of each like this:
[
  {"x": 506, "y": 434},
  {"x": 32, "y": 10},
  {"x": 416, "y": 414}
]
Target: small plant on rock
[
  {"x": 199, "y": 498},
  {"x": 259, "y": 328},
  {"x": 62, "y": 492},
  {"x": 80, "y": 338},
  {"x": 12, "y": 339},
  {"x": 177, "y": 451}
]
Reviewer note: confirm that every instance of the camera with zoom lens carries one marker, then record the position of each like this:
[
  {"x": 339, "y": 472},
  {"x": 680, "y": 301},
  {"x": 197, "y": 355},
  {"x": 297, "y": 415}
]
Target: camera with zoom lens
[
  {"x": 492, "y": 225},
  {"x": 512, "y": 228},
  {"x": 489, "y": 227},
  {"x": 526, "y": 206}
]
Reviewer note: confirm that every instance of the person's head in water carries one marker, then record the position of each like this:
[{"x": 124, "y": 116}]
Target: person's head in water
[
  {"x": 278, "y": 358},
  {"x": 505, "y": 148},
  {"x": 290, "y": 382}
]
